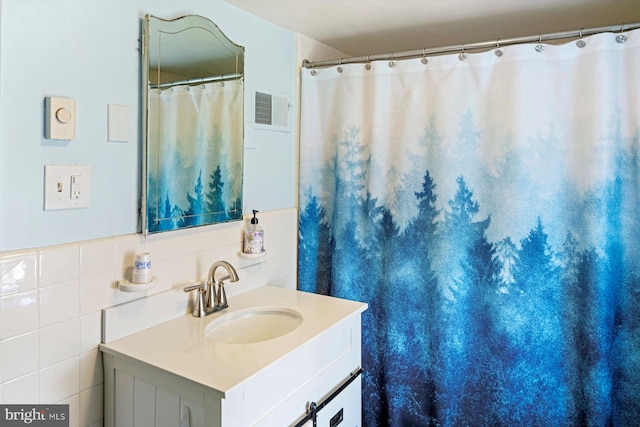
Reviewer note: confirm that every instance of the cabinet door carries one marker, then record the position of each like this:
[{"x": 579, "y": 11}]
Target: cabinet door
[
  {"x": 345, "y": 409},
  {"x": 141, "y": 404}
]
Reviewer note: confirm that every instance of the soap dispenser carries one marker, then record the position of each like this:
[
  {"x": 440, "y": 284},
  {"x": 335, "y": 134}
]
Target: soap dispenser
[{"x": 254, "y": 237}]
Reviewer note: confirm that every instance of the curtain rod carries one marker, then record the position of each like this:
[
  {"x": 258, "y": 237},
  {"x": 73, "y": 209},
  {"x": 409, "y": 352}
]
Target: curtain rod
[
  {"x": 199, "y": 80},
  {"x": 472, "y": 46}
]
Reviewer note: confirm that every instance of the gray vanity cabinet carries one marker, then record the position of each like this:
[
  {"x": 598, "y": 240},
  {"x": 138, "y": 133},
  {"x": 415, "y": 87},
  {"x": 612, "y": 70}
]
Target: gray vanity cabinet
[{"x": 139, "y": 395}]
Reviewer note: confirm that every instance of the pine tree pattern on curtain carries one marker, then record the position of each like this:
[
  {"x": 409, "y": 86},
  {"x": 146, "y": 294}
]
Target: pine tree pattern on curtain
[{"x": 488, "y": 211}]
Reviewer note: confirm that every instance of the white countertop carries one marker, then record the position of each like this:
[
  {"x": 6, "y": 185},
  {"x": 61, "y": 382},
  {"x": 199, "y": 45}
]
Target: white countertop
[{"x": 180, "y": 346}]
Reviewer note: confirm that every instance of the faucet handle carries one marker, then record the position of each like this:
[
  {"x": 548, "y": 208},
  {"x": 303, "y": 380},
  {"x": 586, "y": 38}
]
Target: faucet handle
[
  {"x": 198, "y": 307},
  {"x": 195, "y": 286}
]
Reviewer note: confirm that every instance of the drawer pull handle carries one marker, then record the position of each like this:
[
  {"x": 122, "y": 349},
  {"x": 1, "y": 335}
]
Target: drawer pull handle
[{"x": 337, "y": 418}]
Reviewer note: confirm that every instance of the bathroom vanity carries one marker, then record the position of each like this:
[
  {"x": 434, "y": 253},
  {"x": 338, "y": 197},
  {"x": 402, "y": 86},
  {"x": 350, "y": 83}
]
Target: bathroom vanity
[{"x": 270, "y": 359}]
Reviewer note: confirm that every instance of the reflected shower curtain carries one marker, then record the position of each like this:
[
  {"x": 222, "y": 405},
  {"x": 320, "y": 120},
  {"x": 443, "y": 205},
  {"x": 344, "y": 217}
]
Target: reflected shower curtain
[
  {"x": 192, "y": 145},
  {"x": 487, "y": 208}
]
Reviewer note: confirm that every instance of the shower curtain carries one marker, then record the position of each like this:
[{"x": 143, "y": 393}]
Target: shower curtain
[
  {"x": 487, "y": 208},
  {"x": 194, "y": 155}
]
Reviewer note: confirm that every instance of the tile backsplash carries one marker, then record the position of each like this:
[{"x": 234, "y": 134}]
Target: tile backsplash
[{"x": 51, "y": 300}]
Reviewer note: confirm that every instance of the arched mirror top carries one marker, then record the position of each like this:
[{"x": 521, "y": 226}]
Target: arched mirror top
[{"x": 192, "y": 47}]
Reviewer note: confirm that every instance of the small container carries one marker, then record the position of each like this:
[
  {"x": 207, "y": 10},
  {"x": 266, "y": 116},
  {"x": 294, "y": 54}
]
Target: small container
[
  {"x": 142, "y": 269},
  {"x": 254, "y": 237}
]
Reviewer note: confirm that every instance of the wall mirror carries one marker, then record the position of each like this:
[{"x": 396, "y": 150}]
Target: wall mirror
[{"x": 193, "y": 95}]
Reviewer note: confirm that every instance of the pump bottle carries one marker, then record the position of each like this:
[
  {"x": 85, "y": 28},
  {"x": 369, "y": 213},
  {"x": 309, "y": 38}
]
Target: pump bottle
[{"x": 254, "y": 237}]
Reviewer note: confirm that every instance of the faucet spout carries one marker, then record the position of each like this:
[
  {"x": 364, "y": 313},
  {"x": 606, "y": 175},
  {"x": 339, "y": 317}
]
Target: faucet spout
[{"x": 232, "y": 274}]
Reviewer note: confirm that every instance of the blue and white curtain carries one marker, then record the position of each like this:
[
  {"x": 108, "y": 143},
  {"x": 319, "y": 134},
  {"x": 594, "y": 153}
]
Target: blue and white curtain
[{"x": 487, "y": 208}]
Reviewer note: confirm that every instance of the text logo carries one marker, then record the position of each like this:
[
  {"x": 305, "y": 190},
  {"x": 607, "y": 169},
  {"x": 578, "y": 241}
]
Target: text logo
[{"x": 34, "y": 415}]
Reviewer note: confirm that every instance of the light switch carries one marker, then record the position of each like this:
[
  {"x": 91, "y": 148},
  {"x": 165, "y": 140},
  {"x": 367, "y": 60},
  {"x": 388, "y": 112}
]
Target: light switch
[
  {"x": 117, "y": 123},
  {"x": 66, "y": 186},
  {"x": 60, "y": 118}
]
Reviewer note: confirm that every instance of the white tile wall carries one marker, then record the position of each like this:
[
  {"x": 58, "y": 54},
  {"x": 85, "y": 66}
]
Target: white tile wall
[{"x": 51, "y": 300}]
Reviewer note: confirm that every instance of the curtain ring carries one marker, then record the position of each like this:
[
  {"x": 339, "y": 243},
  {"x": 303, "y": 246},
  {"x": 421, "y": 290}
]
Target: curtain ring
[
  {"x": 498, "y": 51},
  {"x": 539, "y": 46},
  {"x": 621, "y": 38},
  {"x": 581, "y": 43},
  {"x": 368, "y": 64},
  {"x": 339, "y": 69},
  {"x": 392, "y": 63},
  {"x": 424, "y": 59},
  {"x": 462, "y": 55}
]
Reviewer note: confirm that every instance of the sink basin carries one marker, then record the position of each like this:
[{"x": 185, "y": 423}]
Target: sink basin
[{"x": 253, "y": 325}]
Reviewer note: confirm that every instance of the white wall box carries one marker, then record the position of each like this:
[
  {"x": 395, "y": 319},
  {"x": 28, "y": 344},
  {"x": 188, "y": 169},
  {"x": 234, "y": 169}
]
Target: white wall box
[{"x": 60, "y": 118}]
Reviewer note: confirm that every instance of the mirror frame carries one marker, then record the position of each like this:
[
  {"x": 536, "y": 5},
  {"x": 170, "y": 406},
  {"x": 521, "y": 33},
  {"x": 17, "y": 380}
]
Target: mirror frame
[{"x": 176, "y": 25}]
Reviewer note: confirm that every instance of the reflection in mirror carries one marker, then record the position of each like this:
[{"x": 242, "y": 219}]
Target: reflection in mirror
[{"x": 193, "y": 76}]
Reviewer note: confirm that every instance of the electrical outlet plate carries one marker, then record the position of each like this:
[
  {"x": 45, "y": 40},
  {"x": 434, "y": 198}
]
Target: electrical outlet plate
[{"x": 66, "y": 186}]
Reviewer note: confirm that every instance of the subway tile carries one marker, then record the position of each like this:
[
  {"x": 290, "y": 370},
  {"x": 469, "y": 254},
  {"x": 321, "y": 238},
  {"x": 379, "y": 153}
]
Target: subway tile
[
  {"x": 207, "y": 238},
  {"x": 18, "y": 272},
  {"x": 20, "y": 390},
  {"x": 290, "y": 243},
  {"x": 126, "y": 249},
  {"x": 59, "y": 264},
  {"x": 59, "y": 303},
  {"x": 91, "y": 372},
  {"x": 18, "y": 313},
  {"x": 159, "y": 246},
  {"x": 97, "y": 257},
  {"x": 74, "y": 410},
  {"x": 91, "y": 406},
  {"x": 124, "y": 297},
  {"x": 290, "y": 219},
  {"x": 184, "y": 270},
  {"x": 163, "y": 272},
  {"x": 277, "y": 222},
  {"x": 96, "y": 293},
  {"x": 204, "y": 260},
  {"x": 59, "y": 381},
  {"x": 18, "y": 356},
  {"x": 90, "y": 331},
  {"x": 230, "y": 233},
  {"x": 184, "y": 242},
  {"x": 59, "y": 342}
]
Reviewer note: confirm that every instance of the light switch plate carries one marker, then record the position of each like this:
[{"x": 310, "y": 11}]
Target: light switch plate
[
  {"x": 60, "y": 118},
  {"x": 117, "y": 123},
  {"x": 66, "y": 186}
]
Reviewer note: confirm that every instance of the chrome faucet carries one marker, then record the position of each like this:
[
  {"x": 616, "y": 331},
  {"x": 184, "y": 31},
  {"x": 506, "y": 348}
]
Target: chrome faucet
[{"x": 209, "y": 300}]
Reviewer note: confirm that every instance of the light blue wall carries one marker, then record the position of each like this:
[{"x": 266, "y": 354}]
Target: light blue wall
[{"x": 88, "y": 50}]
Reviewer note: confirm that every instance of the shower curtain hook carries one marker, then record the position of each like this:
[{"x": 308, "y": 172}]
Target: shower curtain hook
[
  {"x": 339, "y": 69},
  {"x": 368, "y": 64},
  {"x": 462, "y": 55},
  {"x": 424, "y": 56},
  {"x": 498, "y": 51},
  {"x": 539, "y": 46},
  {"x": 580, "y": 43},
  {"x": 313, "y": 68},
  {"x": 621, "y": 38},
  {"x": 392, "y": 63}
]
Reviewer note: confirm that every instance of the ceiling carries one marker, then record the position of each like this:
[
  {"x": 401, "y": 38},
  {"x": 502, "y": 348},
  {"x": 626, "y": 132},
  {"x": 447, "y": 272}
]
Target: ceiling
[{"x": 364, "y": 27}]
